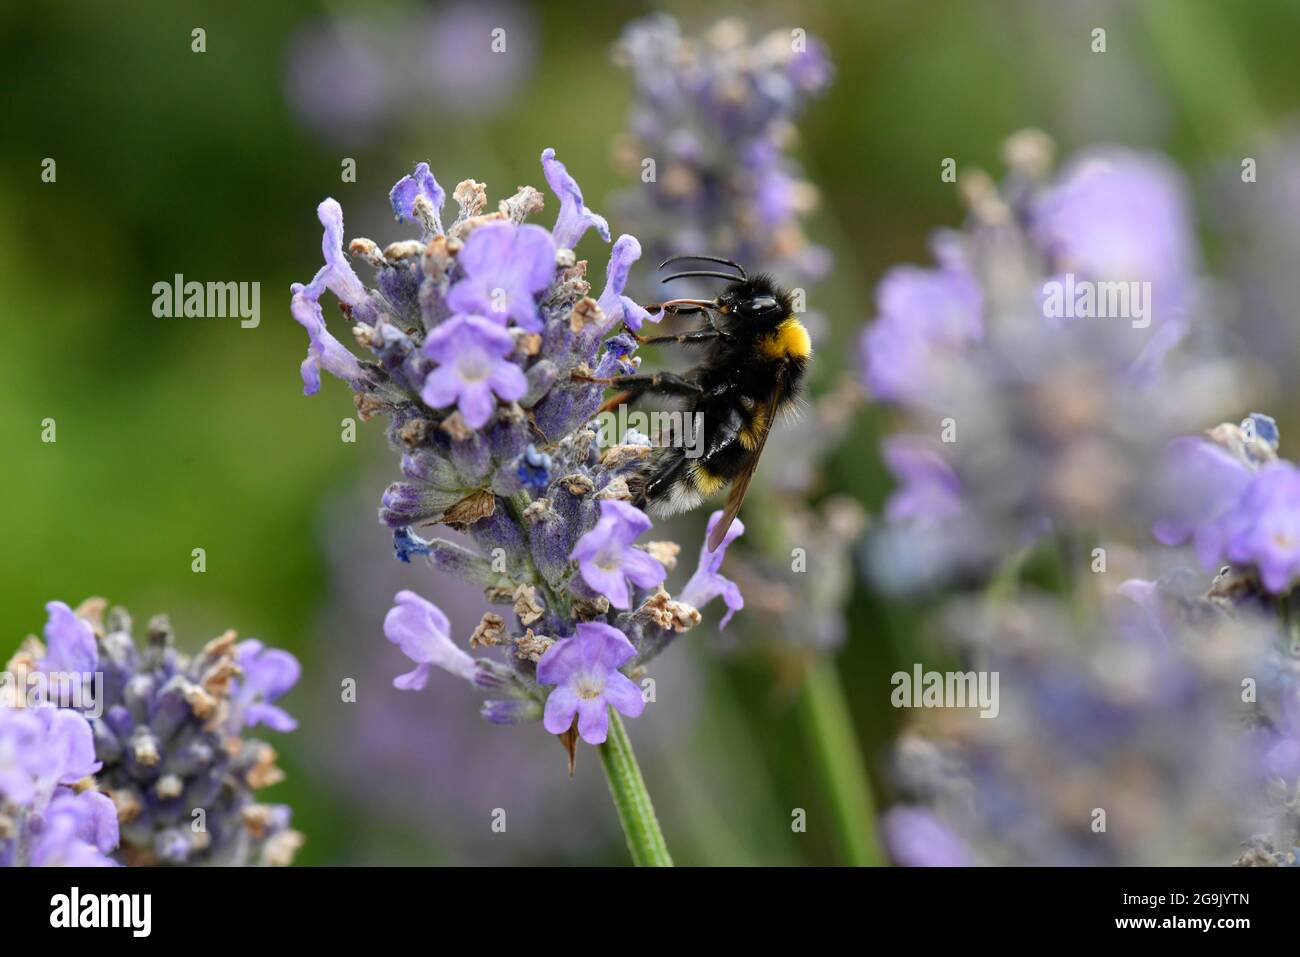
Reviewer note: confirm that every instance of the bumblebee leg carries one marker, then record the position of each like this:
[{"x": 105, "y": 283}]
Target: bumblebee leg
[
  {"x": 686, "y": 338},
  {"x": 664, "y": 383},
  {"x": 672, "y": 310},
  {"x": 614, "y": 401}
]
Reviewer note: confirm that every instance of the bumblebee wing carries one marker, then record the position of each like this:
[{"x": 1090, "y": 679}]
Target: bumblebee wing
[{"x": 740, "y": 485}]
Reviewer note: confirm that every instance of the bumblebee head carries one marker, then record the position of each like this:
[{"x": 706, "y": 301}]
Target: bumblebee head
[
  {"x": 756, "y": 304},
  {"x": 748, "y": 304}
]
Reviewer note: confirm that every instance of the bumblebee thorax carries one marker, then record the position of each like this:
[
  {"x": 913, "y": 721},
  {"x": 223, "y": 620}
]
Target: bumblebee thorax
[{"x": 789, "y": 340}]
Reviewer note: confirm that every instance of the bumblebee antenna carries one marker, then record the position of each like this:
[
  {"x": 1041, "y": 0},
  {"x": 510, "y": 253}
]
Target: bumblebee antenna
[
  {"x": 712, "y": 259},
  {"x": 703, "y": 272}
]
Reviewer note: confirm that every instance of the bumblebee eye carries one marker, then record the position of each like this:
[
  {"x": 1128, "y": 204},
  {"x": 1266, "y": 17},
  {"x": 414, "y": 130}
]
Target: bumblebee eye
[{"x": 758, "y": 305}]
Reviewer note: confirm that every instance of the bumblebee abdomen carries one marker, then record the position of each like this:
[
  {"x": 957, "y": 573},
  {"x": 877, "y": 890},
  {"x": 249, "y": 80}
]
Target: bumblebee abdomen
[{"x": 674, "y": 483}]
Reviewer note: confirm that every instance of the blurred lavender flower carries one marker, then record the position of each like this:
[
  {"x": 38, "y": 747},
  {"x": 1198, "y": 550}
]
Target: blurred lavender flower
[
  {"x": 925, "y": 317},
  {"x": 715, "y": 115},
  {"x": 1114, "y": 214},
  {"x": 485, "y": 343},
  {"x": 348, "y": 78},
  {"x": 50, "y": 814},
  {"x": 167, "y": 739},
  {"x": 1123, "y": 739},
  {"x": 1239, "y": 503},
  {"x": 1062, "y": 307},
  {"x": 918, "y": 838}
]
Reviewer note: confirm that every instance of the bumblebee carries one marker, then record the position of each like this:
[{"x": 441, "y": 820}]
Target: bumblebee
[{"x": 755, "y": 353}]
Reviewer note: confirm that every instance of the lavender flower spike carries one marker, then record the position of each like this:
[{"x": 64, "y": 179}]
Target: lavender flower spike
[
  {"x": 164, "y": 742},
  {"x": 584, "y": 670},
  {"x": 422, "y": 631},
  {"x": 706, "y": 584},
  {"x": 607, "y": 558},
  {"x": 1004, "y": 330},
  {"x": 488, "y": 348},
  {"x": 718, "y": 122},
  {"x": 575, "y": 218}
]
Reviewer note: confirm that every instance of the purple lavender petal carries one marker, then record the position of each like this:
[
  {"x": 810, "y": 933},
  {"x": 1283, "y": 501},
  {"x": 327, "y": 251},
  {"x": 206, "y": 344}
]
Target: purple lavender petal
[
  {"x": 506, "y": 266},
  {"x": 1120, "y": 215},
  {"x": 336, "y": 275},
  {"x": 1263, "y": 528},
  {"x": 607, "y": 581},
  {"x": 472, "y": 353},
  {"x": 929, "y": 491},
  {"x": 560, "y": 659},
  {"x": 422, "y": 632},
  {"x": 616, "y": 306},
  {"x": 917, "y": 838},
  {"x": 1199, "y": 482},
  {"x": 267, "y": 674},
  {"x": 604, "y": 646},
  {"x": 70, "y": 641},
  {"x": 575, "y": 218},
  {"x": 923, "y": 314},
  {"x": 413, "y": 680},
  {"x": 561, "y": 706},
  {"x": 593, "y": 719},
  {"x": 71, "y": 745},
  {"x": 508, "y": 381},
  {"x": 643, "y": 570},
  {"x": 476, "y": 403},
  {"x": 324, "y": 351},
  {"x": 419, "y": 183},
  {"x": 706, "y": 584},
  {"x": 624, "y": 695}
]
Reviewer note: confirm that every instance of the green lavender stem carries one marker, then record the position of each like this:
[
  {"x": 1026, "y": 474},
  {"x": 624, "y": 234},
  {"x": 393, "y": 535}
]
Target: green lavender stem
[
  {"x": 631, "y": 799},
  {"x": 829, "y": 726}
]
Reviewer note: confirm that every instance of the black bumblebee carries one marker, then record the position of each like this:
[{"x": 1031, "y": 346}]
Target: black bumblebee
[{"x": 755, "y": 355}]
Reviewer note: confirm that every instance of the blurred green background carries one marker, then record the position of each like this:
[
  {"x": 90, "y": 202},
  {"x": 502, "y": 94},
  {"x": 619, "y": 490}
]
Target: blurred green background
[{"x": 174, "y": 434}]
